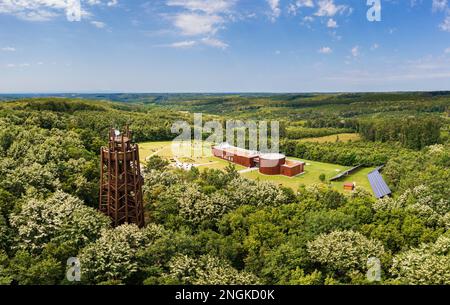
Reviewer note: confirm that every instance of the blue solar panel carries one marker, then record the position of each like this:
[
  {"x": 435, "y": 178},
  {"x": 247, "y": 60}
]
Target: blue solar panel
[
  {"x": 379, "y": 186},
  {"x": 346, "y": 173}
]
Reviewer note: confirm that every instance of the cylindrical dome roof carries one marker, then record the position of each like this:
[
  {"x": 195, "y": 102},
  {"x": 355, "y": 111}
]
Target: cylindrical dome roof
[{"x": 270, "y": 164}]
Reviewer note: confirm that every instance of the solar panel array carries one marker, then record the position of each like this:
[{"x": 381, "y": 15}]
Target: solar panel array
[
  {"x": 379, "y": 186},
  {"x": 345, "y": 173}
]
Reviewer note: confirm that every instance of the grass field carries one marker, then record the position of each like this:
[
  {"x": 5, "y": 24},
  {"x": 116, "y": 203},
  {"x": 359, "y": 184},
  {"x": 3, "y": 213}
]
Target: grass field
[
  {"x": 164, "y": 149},
  {"x": 342, "y": 137},
  {"x": 312, "y": 169},
  {"x": 311, "y": 175}
]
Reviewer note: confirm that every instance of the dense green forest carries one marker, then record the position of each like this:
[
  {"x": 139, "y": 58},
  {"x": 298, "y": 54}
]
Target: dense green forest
[{"x": 216, "y": 227}]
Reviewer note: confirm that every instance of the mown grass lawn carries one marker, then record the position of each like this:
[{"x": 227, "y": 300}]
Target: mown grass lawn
[
  {"x": 313, "y": 169},
  {"x": 359, "y": 177},
  {"x": 164, "y": 150},
  {"x": 147, "y": 149},
  {"x": 310, "y": 176}
]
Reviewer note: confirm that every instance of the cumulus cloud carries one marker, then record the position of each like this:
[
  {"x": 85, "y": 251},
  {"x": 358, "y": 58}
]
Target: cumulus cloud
[
  {"x": 294, "y": 7},
  {"x": 325, "y": 9},
  {"x": 44, "y": 10},
  {"x": 304, "y": 3},
  {"x": 201, "y": 18},
  {"x": 329, "y": 8},
  {"x": 192, "y": 24},
  {"x": 275, "y": 9}
]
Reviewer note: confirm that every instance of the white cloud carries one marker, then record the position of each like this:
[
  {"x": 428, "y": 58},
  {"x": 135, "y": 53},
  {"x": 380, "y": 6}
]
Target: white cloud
[
  {"x": 294, "y": 7},
  {"x": 332, "y": 23},
  {"x": 325, "y": 50},
  {"x": 355, "y": 51},
  {"x": 447, "y": 51},
  {"x": 37, "y": 15},
  {"x": 439, "y": 5},
  {"x": 205, "y": 6},
  {"x": 112, "y": 3},
  {"x": 44, "y": 10},
  {"x": 207, "y": 41},
  {"x": 216, "y": 43},
  {"x": 183, "y": 44},
  {"x": 98, "y": 24},
  {"x": 328, "y": 8},
  {"x": 192, "y": 24},
  {"x": 275, "y": 9},
  {"x": 445, "y": 25},
  {"x": 374, "y": 46},
  {"x": 304, "y": 3},
  {"x": 8, "y": 49},
  {"x": 22, "y": 65},
  {"x": 201, "y": 17}
]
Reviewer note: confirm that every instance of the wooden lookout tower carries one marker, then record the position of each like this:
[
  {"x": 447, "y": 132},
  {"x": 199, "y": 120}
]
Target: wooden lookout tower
[{"x": 120, "y": 180}]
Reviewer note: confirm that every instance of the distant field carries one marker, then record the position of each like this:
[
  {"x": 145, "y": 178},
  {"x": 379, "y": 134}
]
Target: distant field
[
  {"x": 312, "y": 170},
  {"x": 342, "y": 137}
]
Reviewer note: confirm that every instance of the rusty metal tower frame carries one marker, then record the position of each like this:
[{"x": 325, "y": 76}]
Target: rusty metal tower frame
[{"x": 121, "y": 180}]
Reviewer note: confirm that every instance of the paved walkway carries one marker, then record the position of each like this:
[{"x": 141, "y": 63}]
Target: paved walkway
[
  {"x": 155, "y": 153},
  {"x": 247, "y": 170},
  {"x": 204, "y": 164}
]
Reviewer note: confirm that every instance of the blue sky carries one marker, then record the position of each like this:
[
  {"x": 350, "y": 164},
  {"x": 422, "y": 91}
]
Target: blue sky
[{"x": 223, "y": 46}]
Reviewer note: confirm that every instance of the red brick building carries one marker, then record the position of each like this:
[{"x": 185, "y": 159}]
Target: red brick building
[
  {"x": 292, "y": 168},
  {"x": 236, "y": 155},
  {"x": 268, "y": 164}
]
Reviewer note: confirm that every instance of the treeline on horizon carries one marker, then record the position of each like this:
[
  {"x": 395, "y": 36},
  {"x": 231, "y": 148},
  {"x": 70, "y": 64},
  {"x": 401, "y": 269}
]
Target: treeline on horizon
[{"x": 411, "y": 131}]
